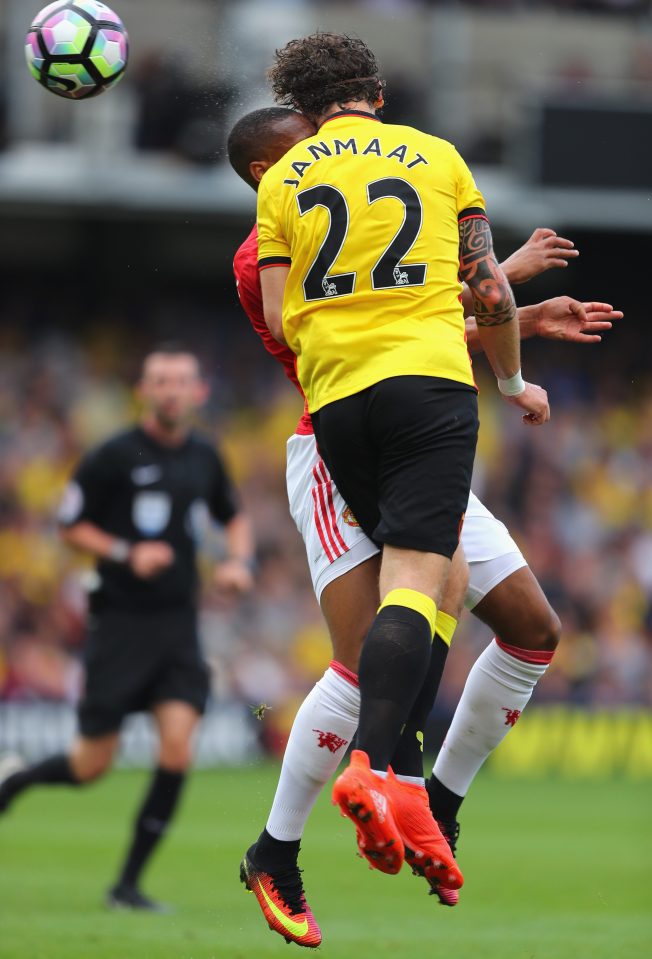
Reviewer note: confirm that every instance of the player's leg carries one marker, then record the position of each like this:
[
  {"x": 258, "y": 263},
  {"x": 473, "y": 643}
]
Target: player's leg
[
  {"x": 403, "y": 462},
  {"x": 407, "y": 761},
  {"x": 344, "y": 566},
  {"x": 328, "y": 718},
  {"x": 505, "y": 594},
  {"x": 88, "y": 759},
  {"x": 427, "y": 851},
  {"x": 176, "y": 723},
  {"x": 499, "y": 685},
  {"x": 177, "y": 693},
  {"x": 100, "y": 713}
]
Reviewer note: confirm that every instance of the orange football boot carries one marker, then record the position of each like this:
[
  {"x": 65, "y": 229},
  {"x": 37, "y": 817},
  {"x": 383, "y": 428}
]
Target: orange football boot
[
  {"x": 283, "y": 902},
  {"x": 360, "y": 794},
  {"x": 451, "y": 833},
  {"x": 426, "y": 850}
]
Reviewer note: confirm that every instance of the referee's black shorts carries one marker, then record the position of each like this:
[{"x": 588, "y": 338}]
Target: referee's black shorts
[
  {"x": 401, "y": 453},
  {"x": 136, "y": 659}
]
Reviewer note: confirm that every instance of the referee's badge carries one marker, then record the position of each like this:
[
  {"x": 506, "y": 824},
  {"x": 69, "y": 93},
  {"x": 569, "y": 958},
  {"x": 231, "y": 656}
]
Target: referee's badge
[{"x": 151, "y": 512}]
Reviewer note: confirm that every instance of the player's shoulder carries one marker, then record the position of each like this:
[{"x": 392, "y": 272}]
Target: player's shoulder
[
  {"x": 414, "y": 134},
  {"x": 117, "y": 444},
  {"x": 110, "y": 457},
  {"x": 203, "y": 446},
  {"x": 247, "y": 249}
]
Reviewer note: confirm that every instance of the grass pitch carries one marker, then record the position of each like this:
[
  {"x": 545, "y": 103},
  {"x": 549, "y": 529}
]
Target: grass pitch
[{"x": 554, "y": 870}]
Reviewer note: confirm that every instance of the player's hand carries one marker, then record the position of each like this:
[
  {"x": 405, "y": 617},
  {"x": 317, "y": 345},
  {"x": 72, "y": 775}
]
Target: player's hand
[
  {"x": 543, "y": 251},
  {"x": 563, "y": 318},
  {"x": 233, "y": 576},
  {"x": 534, "y": 401},
  {"x": 149, "y": 558}
]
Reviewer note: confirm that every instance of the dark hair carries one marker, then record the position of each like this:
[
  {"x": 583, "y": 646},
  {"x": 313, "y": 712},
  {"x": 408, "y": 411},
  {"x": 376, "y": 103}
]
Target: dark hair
[
  {"x": 248, "y": 138},
  {"x": 173, "y": 348},
  {"x": 170, "y": 348},
  {"x": 324, "y": 68}
]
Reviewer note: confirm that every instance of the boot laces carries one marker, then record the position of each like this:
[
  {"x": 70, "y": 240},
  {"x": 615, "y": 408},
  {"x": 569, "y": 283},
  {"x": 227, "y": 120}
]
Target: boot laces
[
  {"x": 451, "y": 833},
  {"x": 289, "y": 885}
]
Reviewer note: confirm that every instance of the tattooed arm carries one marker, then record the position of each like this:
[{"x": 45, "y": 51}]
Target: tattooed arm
[
  {"x": 543, "y": 251},
  {"x": 493, "y": 301},
  {"x": 495, "y": 317}
]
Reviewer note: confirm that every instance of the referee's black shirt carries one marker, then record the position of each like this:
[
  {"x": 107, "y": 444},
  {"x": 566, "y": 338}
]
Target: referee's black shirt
[{"x": 138, "y": 489}]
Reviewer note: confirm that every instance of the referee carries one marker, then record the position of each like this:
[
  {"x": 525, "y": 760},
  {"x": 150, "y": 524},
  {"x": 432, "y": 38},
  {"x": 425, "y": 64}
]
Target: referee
[{"x": 136, "y": 503}]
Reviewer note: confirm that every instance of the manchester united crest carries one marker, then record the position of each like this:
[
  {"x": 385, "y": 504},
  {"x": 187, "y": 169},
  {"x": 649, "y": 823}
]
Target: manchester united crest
[{"x": 349, "y": 518}]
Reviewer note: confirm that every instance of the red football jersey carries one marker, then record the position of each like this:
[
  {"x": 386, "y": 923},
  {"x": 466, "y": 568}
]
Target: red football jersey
[{"x": 247, "y": 279}]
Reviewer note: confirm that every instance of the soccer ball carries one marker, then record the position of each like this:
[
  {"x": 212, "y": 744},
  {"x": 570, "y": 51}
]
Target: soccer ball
[{"x": 77, "y": 48}]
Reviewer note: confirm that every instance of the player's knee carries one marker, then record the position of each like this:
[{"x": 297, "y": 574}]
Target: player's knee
[
  {"x": 457, "y": 584},
  {"x": 347, "y": 652},
  {"x": 89, "y": 768},
  {"x": 549, "y": 631},
  {"x": 175, "y": 755}
]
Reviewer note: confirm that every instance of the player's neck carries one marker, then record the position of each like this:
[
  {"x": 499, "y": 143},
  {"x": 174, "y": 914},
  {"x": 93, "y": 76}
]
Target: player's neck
[
  {"x": 357, "y": 106},
  {"x": 165, "y": 435}
]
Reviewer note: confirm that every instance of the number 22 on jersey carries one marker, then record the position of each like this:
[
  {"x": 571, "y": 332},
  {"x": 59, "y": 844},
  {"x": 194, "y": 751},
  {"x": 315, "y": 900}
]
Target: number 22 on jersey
[{"x": 389, "y": 270}]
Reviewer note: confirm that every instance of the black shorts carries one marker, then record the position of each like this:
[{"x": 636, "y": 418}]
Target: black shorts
[
  {"x": 401, "y": 453},
  {"x": 135, "y": 660}
]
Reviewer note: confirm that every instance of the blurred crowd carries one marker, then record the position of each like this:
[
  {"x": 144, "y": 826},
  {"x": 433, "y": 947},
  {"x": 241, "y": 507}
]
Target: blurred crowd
[
  {"x": 577, "y": 496},
  {"x": 181, "y": 95}
]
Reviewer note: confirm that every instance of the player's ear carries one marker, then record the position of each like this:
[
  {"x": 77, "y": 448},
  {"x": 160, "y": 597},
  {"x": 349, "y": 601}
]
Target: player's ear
[{"x": 258, "y": 168}]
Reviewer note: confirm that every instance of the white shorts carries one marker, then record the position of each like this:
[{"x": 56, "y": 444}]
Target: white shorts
[
  {"x": 333, "y": 539},
  {"x": 335, "y": 543},
  {"x": 490, "y": 551}
]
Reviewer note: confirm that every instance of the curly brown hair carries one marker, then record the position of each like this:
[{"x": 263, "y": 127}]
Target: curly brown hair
[{"x": 324, "y": 68}]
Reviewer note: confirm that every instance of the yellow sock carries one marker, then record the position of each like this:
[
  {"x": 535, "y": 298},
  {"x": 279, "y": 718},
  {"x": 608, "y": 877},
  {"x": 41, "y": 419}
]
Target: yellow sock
[
  {"x": 415, "y": 600},
  {"x": 445, "y": 626}
]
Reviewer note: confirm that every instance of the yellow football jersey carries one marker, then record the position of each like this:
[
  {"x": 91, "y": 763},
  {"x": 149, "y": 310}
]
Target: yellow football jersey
[{"x": 366, "y": 214}]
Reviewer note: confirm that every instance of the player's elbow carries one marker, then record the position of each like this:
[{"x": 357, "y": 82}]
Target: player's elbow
[
  {"x": 68, "y": 534},
  {"x": 74, "y": 536}
]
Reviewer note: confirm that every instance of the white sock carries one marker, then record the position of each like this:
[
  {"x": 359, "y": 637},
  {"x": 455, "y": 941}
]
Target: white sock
[
  {"x": 413, "y": 780},
  {"x": 497, "y": 690},
  {"x": 323, "y": 728}
]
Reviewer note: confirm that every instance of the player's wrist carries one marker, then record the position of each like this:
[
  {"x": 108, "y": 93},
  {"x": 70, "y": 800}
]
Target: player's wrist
[
  {"x": 512, "y": 385},
  {"x": 507, "y": 266},
  {"x": 529, "y": 318},
  {"x": 120, "y": 551}
]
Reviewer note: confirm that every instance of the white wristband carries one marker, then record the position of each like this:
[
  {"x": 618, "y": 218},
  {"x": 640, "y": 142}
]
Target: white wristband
[
  {"x": 119, "y": 551},
  {"x": 512, "y": 386}
]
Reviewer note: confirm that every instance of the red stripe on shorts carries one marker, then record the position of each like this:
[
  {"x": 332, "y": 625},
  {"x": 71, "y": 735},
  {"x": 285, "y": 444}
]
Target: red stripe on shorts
[
  {"x": 320, "y": 528},
  {"x": 319, "y": 490},
  {"x": 331, "y": 505}
]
